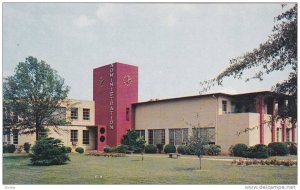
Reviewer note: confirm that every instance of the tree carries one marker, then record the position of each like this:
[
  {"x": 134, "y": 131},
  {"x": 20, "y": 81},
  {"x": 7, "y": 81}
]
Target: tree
[
  {"x": 197, "y": 141},
  {"x": 33, "y": 97},
  {"x": 279, "y": 52},
  {"x": 133, "y": 141}
]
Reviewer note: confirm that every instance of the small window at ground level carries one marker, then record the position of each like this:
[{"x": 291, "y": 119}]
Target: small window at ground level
[
  {"x": 156, "y": 136},
  {"x": 74, "y": 135},
  {"x": 15, "y": 136},
  {"x": 141, "y": 133},
  {"x": 85, "y": 137}
]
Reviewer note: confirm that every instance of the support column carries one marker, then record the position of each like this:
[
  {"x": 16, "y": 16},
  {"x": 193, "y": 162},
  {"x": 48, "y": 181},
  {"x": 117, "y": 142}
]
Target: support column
[
  {"x": 283, "y": 122},
  {"x": 273, "y": 130},
  {"x": 293, "y": 134},
  {"x": 260, "y": 108}
]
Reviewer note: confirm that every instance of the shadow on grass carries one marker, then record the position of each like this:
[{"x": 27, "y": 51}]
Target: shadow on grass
[
  {"x": 15, "y": 157},
  {"x": 189, "y": 169},
  {"x": 136, "y": 160}
]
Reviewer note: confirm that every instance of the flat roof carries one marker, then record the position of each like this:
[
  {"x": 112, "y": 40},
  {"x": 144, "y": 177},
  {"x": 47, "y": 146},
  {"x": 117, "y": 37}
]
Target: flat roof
[{"x": 202, "y": 95}]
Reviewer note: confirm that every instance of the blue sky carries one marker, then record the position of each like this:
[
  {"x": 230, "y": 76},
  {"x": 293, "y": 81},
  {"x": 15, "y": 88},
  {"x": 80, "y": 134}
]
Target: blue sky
[{"x": 175, "y": 46}]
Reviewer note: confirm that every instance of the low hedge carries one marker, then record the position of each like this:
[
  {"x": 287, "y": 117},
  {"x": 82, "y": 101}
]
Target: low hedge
[
  {"x": 278, "y": 149},
  {"x": 68, "y": 149},
  {"x": 293, "y": 149},
  {"x": 9, "y": 148},
  {"x": 212, "y": 149},
  {"x": 239, "y": 150},
  {"x": 79, "y": 150},
  {"x": 170, "y": 148},
  {"x": 257, "y": 151},
  {"x": 182, "y": 149},
  {"x": 150, "y": 148}
]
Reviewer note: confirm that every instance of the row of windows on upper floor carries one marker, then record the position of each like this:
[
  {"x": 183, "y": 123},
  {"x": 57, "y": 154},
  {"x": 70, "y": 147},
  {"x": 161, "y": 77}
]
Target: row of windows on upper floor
[
  {"x": 59, "y": 113},
  {"x": 249, "y": 106}
]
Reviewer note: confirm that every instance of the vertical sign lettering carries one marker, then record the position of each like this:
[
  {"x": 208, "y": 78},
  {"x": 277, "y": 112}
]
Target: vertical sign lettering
[{"x": 111, "y": 96}]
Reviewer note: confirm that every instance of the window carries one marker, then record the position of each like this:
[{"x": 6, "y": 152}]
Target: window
[
  {"x": 127, "y": 114},
  {"x": 178, "y": 136},
  {"x": 15, "y": 136},
  {"x": 207, "y": 134},
  {"x": 156, "y": 136},
  {"x": 86, "y": 114},
  {"x": 74, "y": 113},
  {"x": 74, "y": 135},
  {"x": 85, "y": 137},
  {"x": 141, "y": 133},
  {"x": 224, "y": 106}
]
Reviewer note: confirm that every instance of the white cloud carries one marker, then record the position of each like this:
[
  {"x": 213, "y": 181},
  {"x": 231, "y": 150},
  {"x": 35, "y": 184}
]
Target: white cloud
[{"x": 83, "y": 21}]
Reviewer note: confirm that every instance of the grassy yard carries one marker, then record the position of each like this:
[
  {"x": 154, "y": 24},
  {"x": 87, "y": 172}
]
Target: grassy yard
[{"x": 155, "y": 169}]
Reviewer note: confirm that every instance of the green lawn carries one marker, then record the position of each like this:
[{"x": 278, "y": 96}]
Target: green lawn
[{"x": 155, "y": 169}]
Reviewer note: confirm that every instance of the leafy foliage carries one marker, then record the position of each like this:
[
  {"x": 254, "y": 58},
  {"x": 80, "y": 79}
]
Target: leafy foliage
[
  {"x": 182, "y": 149},
  {"x": 169, "y": 148},
  {"x": 212, "y": 149},
  {"x": 257, "y": 151},
  {"x": 9, "y": 148},
  {"x": 150, "y": 148},
  {"x": 293, "y": 149},
  {"x": 49, "y": 151},
  {"x": 27, "y": 147},
  {"x": 133, "y": 141},
  {"x": 79, "y": 150},
  {"x": 68, "y": 149},
  {"x": 276, "y": 54},
  {"x": 239, "y": 149},
  {"x": 278, "y": 149},
  {"x": 32, "y": 97}
]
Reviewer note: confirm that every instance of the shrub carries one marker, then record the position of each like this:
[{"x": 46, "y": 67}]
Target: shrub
[
  {"x": 49, "y": 151},
  {"x": 121, "y": 148},
  {"x": 239, "y": 149},
  {"x": 278, "y": 149},
  {"x": 68, "y": 149},
  {"x": 79, "y": 150},
  {"x": 27, "y": 147},
  {"x": 169, "y": 148},
  {"x": 11, "y": 148},
  {"x": 108, "y": 149},
  {"x": 160, "y": 147},
  {"x": 5, "y": 149},
  {"x": 293, "y": 149},
  {"x": 257, "y": 151},
  {"x": 230, "y": 150},
  {"x": 150, "y": 148},
  {"x": 182, "y": 149},
  {"x": 105, "y": 154},
  {"x": 190, "y": 150},
  {"x": 211, "y": 149}
]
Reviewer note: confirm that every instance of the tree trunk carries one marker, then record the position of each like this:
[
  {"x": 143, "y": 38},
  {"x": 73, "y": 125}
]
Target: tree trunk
[
  {"x": 200, "y": 161},
  {"x": 36, "y": 134}
]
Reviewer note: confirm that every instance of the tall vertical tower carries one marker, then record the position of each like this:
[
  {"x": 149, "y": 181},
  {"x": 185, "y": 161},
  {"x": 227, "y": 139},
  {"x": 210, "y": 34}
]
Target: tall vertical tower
[{"x": 115, "y": 88}]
